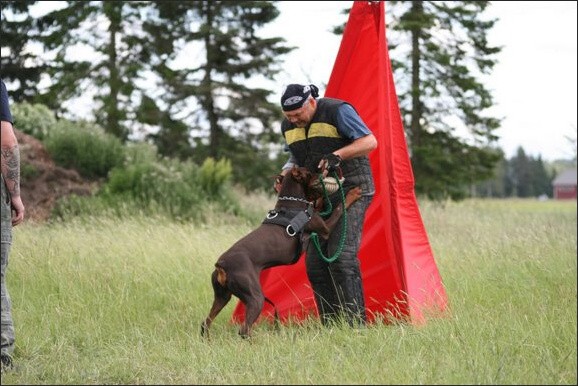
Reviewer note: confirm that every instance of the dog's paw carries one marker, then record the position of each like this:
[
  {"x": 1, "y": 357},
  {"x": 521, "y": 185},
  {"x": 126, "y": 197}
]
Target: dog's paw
[
  {"x": 353, "y": 195},
  {"x": 204, "y": 330},
  {"x": 244, "y": 335}
]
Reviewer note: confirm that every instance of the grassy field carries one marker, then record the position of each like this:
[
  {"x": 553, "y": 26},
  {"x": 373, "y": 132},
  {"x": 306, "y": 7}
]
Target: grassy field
[{"x": 120, "y": 301}]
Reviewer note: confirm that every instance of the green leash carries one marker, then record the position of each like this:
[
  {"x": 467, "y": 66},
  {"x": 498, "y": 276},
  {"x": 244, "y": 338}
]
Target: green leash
[{"x": 314, "y": 235}]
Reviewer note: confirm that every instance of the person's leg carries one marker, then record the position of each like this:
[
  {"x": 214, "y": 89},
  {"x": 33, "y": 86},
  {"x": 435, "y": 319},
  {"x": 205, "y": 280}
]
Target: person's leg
[
  {"x": 345, "y": 271},
  {"x": 7, "y": 326},
  {"x": 7, "y": 333},
  {"x": 321, "y": 283}
]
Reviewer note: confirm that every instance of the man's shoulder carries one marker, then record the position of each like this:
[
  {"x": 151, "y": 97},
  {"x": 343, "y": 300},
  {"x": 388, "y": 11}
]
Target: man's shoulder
[
  {"x": 341, "y": 106},
  {"x": 330, "y": 102}
]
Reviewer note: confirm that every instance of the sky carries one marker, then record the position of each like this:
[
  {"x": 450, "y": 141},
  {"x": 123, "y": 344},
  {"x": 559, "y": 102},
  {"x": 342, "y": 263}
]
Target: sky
[{"x": 533, "y": 84}]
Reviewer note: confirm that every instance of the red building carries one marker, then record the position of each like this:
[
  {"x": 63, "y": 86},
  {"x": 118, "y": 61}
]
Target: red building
[{"x": 564, "y": 185}]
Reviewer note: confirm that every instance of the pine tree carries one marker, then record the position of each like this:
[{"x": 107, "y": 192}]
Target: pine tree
[
  {"x": 111, "y": 31},
  {"x": 452, "y": 142},
  {"x": 521, "y": 174},
  {"x": 216, "y": 89},
  {"x": 494, "y": 186},
  {"x": 540, "y": 179},
  {"x": 190, "y": 75},
  {"x": 18, "y": 64}
]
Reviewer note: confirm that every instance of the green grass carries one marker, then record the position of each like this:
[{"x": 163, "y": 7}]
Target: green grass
[{"x": 120, "y": 301}]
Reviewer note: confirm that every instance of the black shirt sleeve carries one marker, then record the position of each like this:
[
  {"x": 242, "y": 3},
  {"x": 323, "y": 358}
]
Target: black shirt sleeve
[{"x": 5, "y": 114}]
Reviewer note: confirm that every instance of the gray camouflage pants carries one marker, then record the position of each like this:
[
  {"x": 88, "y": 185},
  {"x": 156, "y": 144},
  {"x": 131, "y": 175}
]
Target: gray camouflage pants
[{"x": 7, "y": 336}]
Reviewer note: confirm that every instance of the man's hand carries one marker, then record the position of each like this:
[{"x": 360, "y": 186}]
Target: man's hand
[
  {"x": 329, "y": 163},
  {"x": 17, "y": 210}
]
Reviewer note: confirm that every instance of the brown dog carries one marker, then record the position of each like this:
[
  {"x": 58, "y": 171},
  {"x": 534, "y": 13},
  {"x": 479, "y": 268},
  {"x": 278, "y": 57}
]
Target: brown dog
[{"x": 277, "y": 241}]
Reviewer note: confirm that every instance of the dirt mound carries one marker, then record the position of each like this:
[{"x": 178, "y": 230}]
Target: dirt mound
[{"x": 42, "y": 182}]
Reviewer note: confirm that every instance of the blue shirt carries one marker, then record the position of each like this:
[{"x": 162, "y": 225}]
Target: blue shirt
[{"x": 350, "y": 125}]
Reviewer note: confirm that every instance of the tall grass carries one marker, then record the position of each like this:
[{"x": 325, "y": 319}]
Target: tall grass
[{"x": 120, "y": 301}]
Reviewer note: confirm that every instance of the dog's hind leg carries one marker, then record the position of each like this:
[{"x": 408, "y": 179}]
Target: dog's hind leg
[
  {"x": 275, "y": 314},
  {"x": 222, "y": 297},
  {"x": 248, "y": 289},
  {"x": 253, "y": 307}
]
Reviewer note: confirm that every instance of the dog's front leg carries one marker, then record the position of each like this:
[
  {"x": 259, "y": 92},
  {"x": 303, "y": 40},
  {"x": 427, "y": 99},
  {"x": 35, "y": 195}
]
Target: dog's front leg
[{"x": 324, "y": 228}]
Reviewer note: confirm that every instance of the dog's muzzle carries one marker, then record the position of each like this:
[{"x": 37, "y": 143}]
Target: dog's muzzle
[{"x": 331, "y": 185}]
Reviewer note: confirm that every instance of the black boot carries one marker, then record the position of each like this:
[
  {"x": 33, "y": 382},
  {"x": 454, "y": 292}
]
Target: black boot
[
  {"x": 352, "y": 301},
  {"x": 326, "y": 301},
  {"x": 356, "y": 306},
  {"x": 6, "y": 362}
]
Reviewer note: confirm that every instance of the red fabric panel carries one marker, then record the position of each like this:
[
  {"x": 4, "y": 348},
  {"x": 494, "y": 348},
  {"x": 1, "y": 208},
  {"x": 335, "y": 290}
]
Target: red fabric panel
[{"x": 400, "y": 276}]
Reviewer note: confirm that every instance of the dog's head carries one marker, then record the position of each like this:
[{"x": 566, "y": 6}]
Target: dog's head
[
  {"x": 315, "y": 186},
  {"x": 302, "y": 175},
  {"x": 309, "y": 181}
]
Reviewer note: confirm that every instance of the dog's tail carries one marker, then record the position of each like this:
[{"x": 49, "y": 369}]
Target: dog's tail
[{"x": 276, "y": 314}]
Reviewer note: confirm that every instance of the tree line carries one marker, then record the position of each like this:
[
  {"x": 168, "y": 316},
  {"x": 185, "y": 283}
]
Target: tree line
[
  {"x": 523, "y": 176},
  {"x": 194, "y": 78}
]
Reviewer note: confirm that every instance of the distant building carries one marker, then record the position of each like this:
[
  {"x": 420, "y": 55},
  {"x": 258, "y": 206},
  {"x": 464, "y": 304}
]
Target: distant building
[{"x": 564, "y": 185}]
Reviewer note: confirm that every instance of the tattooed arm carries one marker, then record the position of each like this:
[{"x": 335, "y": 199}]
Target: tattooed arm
[{"x": 11, "y": 170}]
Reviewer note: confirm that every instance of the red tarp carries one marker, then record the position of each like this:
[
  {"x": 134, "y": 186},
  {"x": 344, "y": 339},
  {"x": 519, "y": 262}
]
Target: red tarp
[{"x": 400, "y": 276}]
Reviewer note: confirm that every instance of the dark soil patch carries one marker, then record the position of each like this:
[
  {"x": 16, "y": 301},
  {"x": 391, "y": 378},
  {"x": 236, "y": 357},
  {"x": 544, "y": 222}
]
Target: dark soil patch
[{"x": 42, "y": 182}]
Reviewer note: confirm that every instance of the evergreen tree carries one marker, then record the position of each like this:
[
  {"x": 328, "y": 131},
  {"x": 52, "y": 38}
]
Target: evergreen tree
[
  {"x": 521, "y": 174},
  {"x": 173, "y": 139},
  {"x": 442, "y": 99},
  {"x": 216, "y": 89},
  {"x": 541, "y": 181},
  {"x": 111, "y": 33},
  {"x": 19, "y": 64},
  {"x": 494, "y": 186},
  {"x": 192, "y": 74},
  {"x": 528, "y": 176}
]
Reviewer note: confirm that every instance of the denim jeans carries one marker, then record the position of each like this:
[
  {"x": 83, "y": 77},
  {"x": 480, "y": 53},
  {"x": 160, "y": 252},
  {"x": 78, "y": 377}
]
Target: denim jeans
[{"x": 7, "y": 332}]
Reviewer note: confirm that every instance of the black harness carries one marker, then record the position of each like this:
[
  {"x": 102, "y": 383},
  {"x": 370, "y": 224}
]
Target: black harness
[{"x": 293, "y": 220}]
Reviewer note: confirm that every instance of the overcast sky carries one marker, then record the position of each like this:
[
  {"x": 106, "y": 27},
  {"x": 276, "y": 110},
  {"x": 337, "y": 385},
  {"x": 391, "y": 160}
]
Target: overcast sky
[{"x": 534, "y": 83}]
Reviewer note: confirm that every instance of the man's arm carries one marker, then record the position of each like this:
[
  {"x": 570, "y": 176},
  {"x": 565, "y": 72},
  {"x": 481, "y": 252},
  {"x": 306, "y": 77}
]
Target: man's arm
[
  {"x": 360, "y": 147},
  {"x": 353, "y": 127},
  {"x": 350, "y": 125},
  {"x": 10, "y": 159},
  {"x": 10, "y": 164}
]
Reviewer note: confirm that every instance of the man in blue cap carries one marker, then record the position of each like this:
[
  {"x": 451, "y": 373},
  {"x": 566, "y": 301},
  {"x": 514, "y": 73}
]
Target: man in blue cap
[{"x": 327, "y": 135}]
